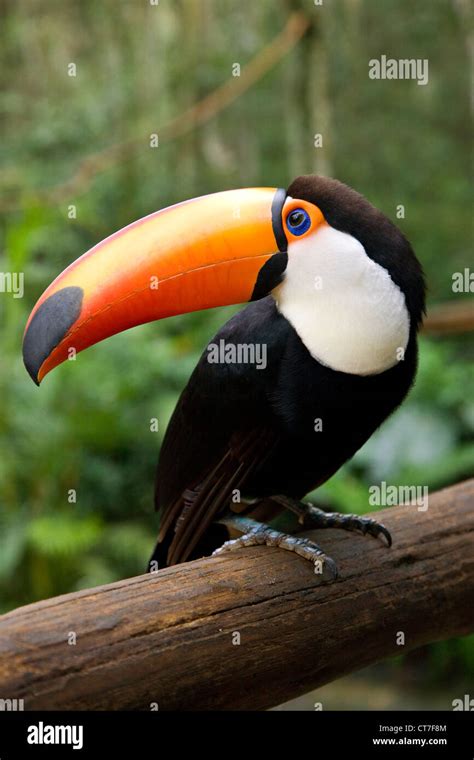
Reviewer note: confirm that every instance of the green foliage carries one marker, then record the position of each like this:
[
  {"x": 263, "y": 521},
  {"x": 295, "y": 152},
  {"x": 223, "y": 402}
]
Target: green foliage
[
  {"x": 56, "y": 536},
  {"x": 88, "y": 427}
]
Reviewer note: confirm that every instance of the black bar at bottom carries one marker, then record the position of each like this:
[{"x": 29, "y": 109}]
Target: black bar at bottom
[{"x": 160, "y": 734}]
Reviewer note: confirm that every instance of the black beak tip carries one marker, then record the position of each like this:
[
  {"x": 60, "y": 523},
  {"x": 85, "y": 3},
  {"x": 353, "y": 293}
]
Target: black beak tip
[
  {"x": 48, "y": 327},
  {"x": 29, "y": 358},
  {"x": 30, "y": 370}
]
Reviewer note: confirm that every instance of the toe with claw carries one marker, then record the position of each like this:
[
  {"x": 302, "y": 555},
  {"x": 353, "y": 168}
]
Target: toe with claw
[{"x": 261, "y": 534}]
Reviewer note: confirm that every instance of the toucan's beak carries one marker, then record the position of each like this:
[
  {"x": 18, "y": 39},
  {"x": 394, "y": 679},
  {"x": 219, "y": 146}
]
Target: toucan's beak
[{"x": 194, "y": 255}]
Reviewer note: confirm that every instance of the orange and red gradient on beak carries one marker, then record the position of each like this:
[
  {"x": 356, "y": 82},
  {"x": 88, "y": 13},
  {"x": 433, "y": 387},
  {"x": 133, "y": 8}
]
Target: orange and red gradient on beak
[{"x": 195, "y": 255}]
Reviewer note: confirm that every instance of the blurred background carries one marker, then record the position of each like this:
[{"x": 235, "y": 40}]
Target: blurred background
[{"x": 77, "y": 164}]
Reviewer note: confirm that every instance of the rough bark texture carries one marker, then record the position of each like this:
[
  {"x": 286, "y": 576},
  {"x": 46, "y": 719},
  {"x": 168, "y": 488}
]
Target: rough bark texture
[{"x": 170, "y": 638}]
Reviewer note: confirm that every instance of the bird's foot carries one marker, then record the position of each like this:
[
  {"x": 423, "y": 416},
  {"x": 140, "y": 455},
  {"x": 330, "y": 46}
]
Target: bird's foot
[
  {"x": 310, "y": 516},
  {"x": 258, "y": 534}
]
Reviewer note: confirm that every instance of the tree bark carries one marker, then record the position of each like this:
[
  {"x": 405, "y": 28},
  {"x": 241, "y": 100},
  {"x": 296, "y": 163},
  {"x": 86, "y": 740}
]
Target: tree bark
[{"x": 173, "y": 638}]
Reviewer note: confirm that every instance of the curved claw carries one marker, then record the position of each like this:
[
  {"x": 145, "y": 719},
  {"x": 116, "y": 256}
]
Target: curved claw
[
  {"x": 310, "y": 516},
  {"x": 332, "y": 567},
  {"x": 377, "y": 530},
  {"x": 383, "y": 531}
]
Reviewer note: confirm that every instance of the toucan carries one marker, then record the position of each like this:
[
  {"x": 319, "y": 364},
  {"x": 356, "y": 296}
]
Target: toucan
[{"x": 335, "y": 297}]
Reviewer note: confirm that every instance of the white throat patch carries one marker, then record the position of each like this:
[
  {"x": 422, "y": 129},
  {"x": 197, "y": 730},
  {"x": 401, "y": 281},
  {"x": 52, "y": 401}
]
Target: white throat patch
[{"x": 346, "y": 309}]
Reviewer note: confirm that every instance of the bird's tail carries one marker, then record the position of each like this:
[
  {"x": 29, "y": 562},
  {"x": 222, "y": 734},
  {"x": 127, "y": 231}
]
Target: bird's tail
[
  {"x": 158, "y": 559},
  {"x": 214, "y": 537}
]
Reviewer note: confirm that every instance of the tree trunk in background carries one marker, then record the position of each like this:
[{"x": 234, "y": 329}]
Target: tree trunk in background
[
  {"x": 465, "y": 12},
  {"x": 298, "y": 135},
  {"x": 307, "y": 104},
  {"x": 319, "y": 104},
  {"x": 247, "y": 150},
  {"x": 190, "y": 23}
]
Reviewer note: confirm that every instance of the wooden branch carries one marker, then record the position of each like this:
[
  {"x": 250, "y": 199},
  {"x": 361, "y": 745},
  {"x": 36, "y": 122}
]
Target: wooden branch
[
  {"x": 171, "y": 638},
  {"x": 450, "y": 318}
]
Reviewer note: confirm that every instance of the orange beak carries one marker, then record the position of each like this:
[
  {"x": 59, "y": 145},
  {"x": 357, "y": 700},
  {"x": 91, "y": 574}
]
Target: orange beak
[{"x": 195, "y": 255}]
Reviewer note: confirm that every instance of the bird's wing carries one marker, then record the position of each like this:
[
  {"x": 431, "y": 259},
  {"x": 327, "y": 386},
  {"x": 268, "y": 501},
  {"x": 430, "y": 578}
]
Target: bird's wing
[{"x": 221, "y": 431}]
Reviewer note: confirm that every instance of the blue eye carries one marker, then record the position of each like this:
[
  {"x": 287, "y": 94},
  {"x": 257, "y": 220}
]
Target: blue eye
[{"x": 298, "y": 221}]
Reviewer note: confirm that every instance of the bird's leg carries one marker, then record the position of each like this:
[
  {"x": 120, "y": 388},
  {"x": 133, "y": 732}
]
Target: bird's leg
[
  {"x": 257, "y": 533},
  {"x": 310, "y": 516}
]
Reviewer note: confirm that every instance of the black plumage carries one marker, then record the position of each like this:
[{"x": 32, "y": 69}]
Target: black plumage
[{"x": 256, "y": 430}]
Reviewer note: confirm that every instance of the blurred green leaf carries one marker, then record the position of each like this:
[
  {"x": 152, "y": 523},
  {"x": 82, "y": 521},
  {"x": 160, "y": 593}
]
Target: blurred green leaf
[{"x": 63, "y": 535}]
